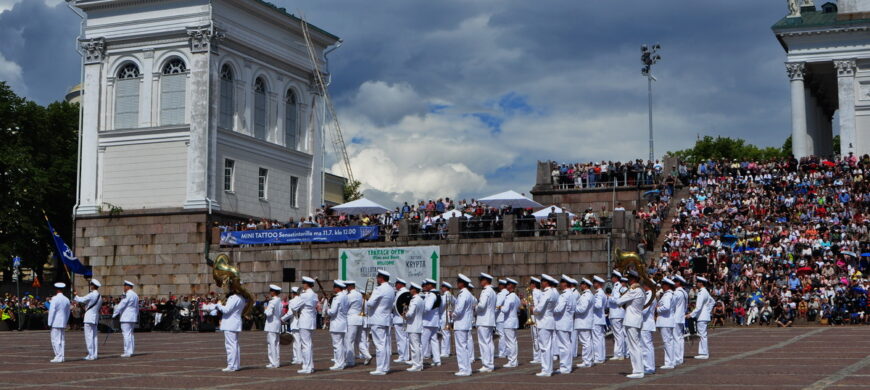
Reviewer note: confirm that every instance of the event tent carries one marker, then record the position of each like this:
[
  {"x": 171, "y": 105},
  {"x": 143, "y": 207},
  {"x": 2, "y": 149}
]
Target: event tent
[
  {"x": 543, "y": 213},
  {"x": 510, "y": 199},
  {"x": 454, "y": 213},
  {"x": 360, "y": 206}
]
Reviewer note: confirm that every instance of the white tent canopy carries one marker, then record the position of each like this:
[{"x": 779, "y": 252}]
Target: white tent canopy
[
  {"x": 510, "y": 199},
  {"x": 454, "y": 213},
  {"x": 543, "y": 213},
  {"x": 360, "y": 206}
]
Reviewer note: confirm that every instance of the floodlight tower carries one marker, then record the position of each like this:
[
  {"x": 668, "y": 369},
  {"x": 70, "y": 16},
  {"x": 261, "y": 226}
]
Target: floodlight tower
[{"x": 649, "y": 56}]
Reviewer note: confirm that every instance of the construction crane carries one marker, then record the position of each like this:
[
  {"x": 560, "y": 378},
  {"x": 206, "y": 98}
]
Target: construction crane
[{"x": 335, "y": 128}]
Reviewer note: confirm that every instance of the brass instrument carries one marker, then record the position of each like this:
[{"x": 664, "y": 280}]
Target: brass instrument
[
  {"x": 625, "y": 261},
  {"x": 367, "y": 292},
  {"x": 224, "y": 274},
  {"x": 328, "y": 299},
  {"x": 529, "y": 301},
  {"x": 448, "y": 324}
]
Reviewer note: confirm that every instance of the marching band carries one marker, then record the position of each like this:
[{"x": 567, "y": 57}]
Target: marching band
[{"x": 566, "y": 316}]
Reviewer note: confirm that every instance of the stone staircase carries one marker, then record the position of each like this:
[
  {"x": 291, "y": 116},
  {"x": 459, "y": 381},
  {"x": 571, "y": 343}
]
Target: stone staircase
[{"x": 667, "y": 222}]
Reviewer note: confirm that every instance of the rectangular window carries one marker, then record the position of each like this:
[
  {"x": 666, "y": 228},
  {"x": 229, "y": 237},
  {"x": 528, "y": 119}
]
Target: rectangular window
[
  {"x": 294, "y": 188},
  {"x": 127, "y": 104},
  {"x": 229, "y": 174},
  {"x": 172, "y": 99},
  {"x": 260, "y": 115},
  {"x": 263, "y": 181},
  {"x": 227, "y": 109}
]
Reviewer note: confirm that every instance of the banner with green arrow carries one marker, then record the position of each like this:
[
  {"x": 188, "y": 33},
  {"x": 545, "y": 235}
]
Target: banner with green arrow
[{"x": 412, "y": 263}]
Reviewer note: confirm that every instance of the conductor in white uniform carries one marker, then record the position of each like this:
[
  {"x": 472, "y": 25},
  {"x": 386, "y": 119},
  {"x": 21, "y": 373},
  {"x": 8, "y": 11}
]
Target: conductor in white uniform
[
  {"x": 355, "y": 322},
  {"x": 273, "y": 326},
  {"x": 485, "y": 322},
  {"x": 231, "y": 325},
  {"x": 306, "y": 308},
  {"x": 128, "y": 310},
  {"x": 463, "y": 312},
  {"x": 91, "y": 304},
  {"x": 703, "y": 308},
  {"x": 633, "y": 301},
  {"x": 379, "y": 312},
  {"x": 414, "y": 327},
  {"x": 58, "y": 317}
]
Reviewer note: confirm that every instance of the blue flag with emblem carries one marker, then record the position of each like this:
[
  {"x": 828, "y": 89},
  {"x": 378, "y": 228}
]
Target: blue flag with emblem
[{"x": 66, "y": 254}]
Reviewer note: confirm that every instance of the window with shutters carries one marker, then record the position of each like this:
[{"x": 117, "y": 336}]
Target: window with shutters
[
  {"x": 127, "y": 97},
  {"x": 229, "y": 174},
  {"x": 263, "y": 184},
  {"x": 226, "y": 104},
  {"x": 291, "y": 134},
  {"x": 173, "y": 84},
  {"x": 294, "y": 188},
  {"x": 260, "y": 108}
]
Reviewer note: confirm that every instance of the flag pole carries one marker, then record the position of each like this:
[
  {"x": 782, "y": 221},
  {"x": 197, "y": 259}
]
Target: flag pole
[{"x": 72, "y": 282}]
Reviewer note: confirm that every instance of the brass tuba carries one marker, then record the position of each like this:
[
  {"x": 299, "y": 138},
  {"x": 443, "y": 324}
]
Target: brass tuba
[
  {"x": 625, "y": 261},
  {"x": 227, "y": 275}
]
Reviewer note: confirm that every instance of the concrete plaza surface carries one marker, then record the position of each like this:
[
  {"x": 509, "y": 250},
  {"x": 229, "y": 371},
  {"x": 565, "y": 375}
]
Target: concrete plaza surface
[{"x": 770, "y": 358}]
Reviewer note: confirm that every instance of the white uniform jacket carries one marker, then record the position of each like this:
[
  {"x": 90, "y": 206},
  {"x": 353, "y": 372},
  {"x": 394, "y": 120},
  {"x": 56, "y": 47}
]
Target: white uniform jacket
[
  {"x": 544, "y": 309},
  {"x": 414, "y": 316},
  {"x": 633, "y": 301},
  {"x": 232, "y": 313},
  {"x": 486, "y": 307},
  {"x": 58, "y": 312},
  {"x": 273, "y": 315},
  {"x": 447, "y": 299},
  {"x": 665, "y": 310},
  {"x": 431, "y": 317},
  {"x": 598, "y": 309},
  {"x": 703, "y": 306},
  {"x": 681, "y": 301},
  {"x": 649, "y": 317},
  {"x": 563, "y": 313},
  {"x": 306, "y": 308},
  {"x": 291, "y": 314},
  {"x": 128, "y": 308},
  {"x": 583, "y": 317},
  {"x": 91, "y": 303},
  {"x": 338, "y": 313},
  {"x": 354, "y": 308},
  {"x": 616, "y": 311},
  {"x": 463, "y": 310},
  {"x": 499, "y": 302},
  {"x": 509, "y": 311},
  {"x": 379, "y": 307}
]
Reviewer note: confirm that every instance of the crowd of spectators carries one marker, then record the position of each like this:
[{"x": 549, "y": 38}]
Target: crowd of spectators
[
  {"x": 609, "y": 173},
  {"x": 782, "y": 240}
]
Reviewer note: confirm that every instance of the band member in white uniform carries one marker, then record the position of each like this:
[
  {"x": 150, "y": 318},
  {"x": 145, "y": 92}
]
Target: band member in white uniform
[
  {"x": 509, "y": 311},
  {"x": 681, "y": 301},
  {"x": 665, "y": 322},
  {"x": 91, "y": 304},
  {"x": 535, "y": 287},
  {"x": 293, "y": 325},
  {"x": 485, "y": 322},
  {"x": 563, "y": 314},
  {"x": 399, "y": 327},
  {"x": 128, "y": 310},
  {"x": 338, "y": 324},
  {"x": 231, "y": 325},
  {"x": 499, "y": 318},
  {"x": 599, "y": 322},
  {"x": 414, "y": 328},
  {"x": 379, "y": 314},
  {"x": 647, "y": 330},
  {"x": 355, "y": 323},
  {"x": 58, "y": 317},
  {"x": 447, "y": 300},
  {"x": 306, "y": 309},
  {"x": 633, "y": 301},
  {"x": 616, "y": 316},
  {"x": 546, "y": 323},
  {"x": 463, "y": 313},
  {"x": 273, "y": 326},
  {"x": 703, "y": 308},
  {"x": 575, "y": 296},
  {"x": 583, "y": 320},
  {"x": 431, "y": 323}
]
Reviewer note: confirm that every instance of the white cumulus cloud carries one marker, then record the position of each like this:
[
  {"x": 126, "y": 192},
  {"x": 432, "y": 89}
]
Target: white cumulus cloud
[{"x": 10, "y": 72}]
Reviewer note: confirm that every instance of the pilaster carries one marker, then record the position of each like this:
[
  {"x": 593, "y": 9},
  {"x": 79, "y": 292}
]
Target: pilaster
[
  {"x": 94, "y": 58},
  {"x": 846, "y": 96},
  {"x": 796, "y": 72}
]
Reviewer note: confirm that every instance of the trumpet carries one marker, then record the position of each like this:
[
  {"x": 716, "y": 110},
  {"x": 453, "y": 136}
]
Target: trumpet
[{"x": 530, "y": 305}]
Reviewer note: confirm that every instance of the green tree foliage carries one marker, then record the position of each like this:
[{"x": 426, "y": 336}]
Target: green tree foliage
[
  {"x": 37, "y": 172},
  {"x": 351, "y": 191},
  {"x": 835, "y": 142},
  {"x": 725, "y": 147}
]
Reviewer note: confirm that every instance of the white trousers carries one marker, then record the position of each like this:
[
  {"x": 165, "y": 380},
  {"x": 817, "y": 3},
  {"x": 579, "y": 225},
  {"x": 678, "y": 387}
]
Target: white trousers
[
  {"x": 231, "y": 343},
  {"x": 273, "y": 348},
  {"x": 446, "y": 345},
  {"x": 297, "y": 347},
  {"x": 511, "y": 351},
  {"x": 306, "y": 349},
  {"x": 545, "y": 343},
  {"x": 352, "y": 343},
  {"x": 598, "y": 343},
  {"x": 129, "y": 339},
  {"x": 635, "y": 349},
  {"x": 338, "y": 352},
  {"x": 566, "y": 355},
  {"x": 679, "y": 342},
  {"x": 91, "y": 341},
  {"x": 57, "y": 342},
  {"x": 585, "y": 339},
  {"x": 536, "y": 346},
  {"x": 416, "y": 347},
  {"x": 463, "y": 350},
  {"x": 401, "y": 342},
  {"x": 649, "y": 352},
  {"x": 484, "y": 340},
  {"x": 618, "y": 337},
  {"x": 499, "y": 329},
  {"x": 702, "y": 333},
  {"x": 670, "y": 348},
  {"x": 364, "y": 346},
  {"x": 383, "y": 350},
  {"x": 574, "y": 343},
  {"x": 431, "y": 344}
]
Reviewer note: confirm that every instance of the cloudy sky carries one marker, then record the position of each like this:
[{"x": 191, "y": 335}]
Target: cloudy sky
[{"x": 461, "y": 98}]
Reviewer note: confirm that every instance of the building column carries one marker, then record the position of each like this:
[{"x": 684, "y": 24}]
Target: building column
[
  {"x": 796, "y": 72},
  {"x": 813, "y": 138},
  {"x": 846, "y": 97},
  {"x": 88, "y": 202},
  {"x": 316, "y": 129}
]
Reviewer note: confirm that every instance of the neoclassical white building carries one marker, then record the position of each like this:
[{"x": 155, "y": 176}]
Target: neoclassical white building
[
  {"x": 828, "y": 63},
  {"x": 199, "y": 105}
]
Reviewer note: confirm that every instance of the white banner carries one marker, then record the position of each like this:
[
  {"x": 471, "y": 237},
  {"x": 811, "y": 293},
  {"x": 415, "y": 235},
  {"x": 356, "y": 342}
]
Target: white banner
[{"x": 411, "y": 263}]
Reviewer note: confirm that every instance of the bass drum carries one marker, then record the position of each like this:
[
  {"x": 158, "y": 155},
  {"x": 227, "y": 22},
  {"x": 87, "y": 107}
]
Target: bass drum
[{"x": 402, "y": 302}]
